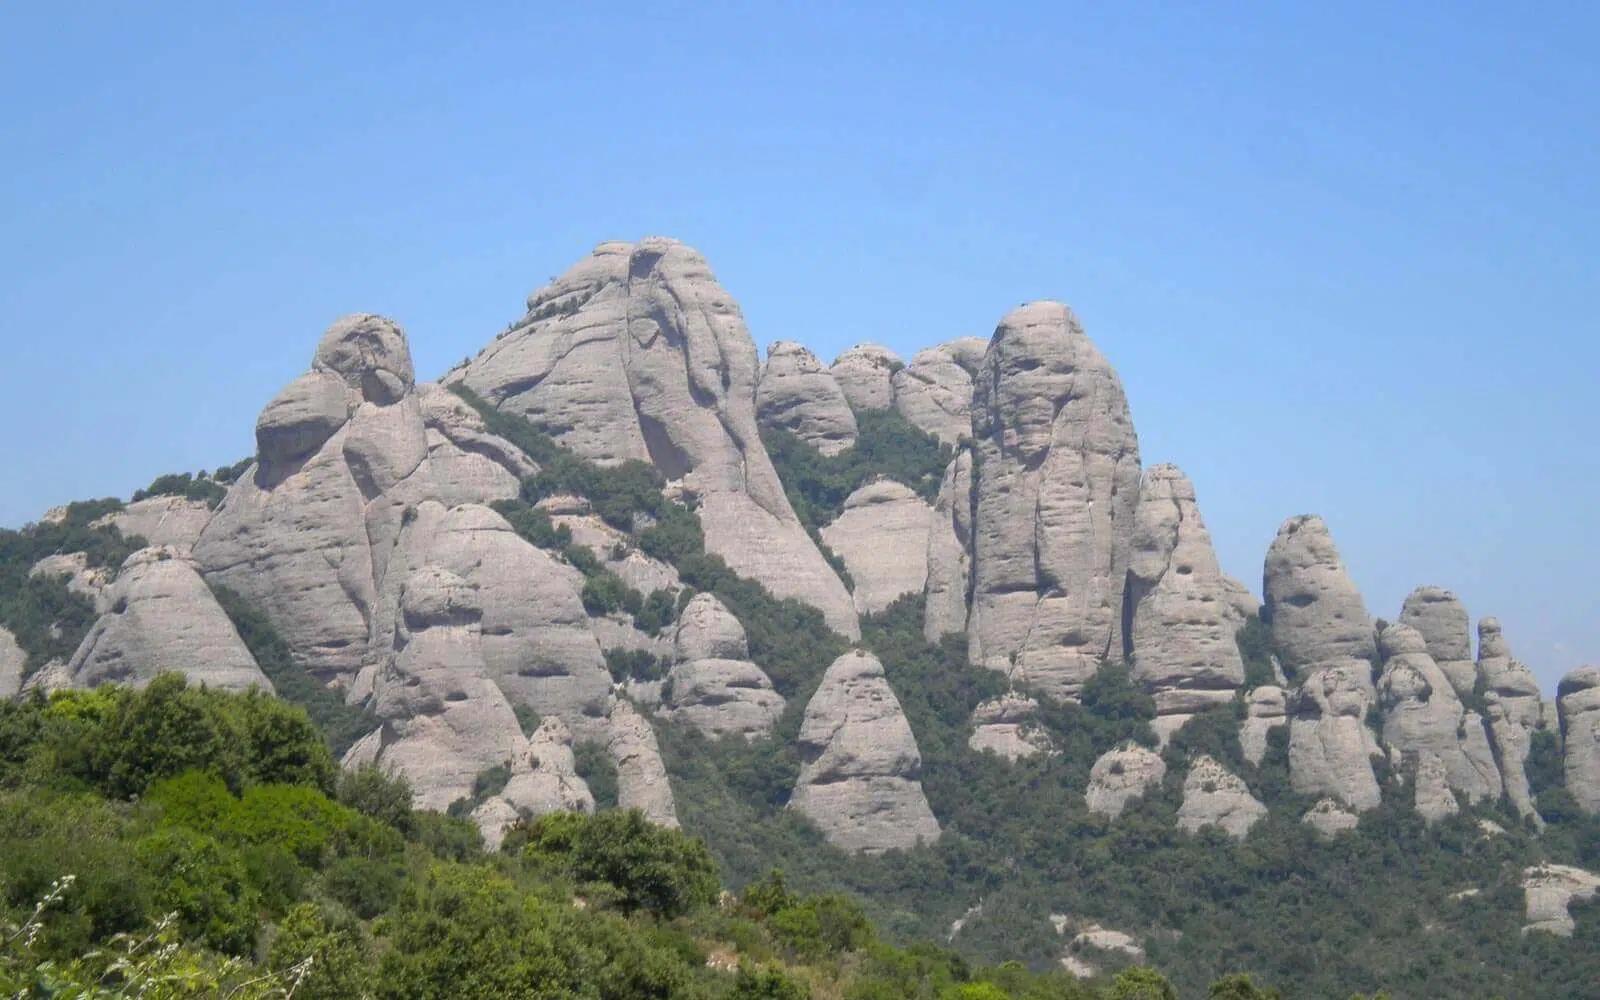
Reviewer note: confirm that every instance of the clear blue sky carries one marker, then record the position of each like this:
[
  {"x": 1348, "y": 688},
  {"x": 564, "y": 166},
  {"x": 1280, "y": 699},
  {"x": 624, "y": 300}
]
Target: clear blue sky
[{"x": 1344, "y": 255}]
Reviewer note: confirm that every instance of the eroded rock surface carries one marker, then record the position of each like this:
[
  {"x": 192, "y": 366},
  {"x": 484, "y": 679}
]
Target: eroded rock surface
[
  {"x": 860, "y": 782},
  {"x": 882, "y": 536},
  {"x": 1058, "y": 488},
  {"x": 1516, "y": 711},
  {"x": 1549, "y": 890},
  {"x": 81, "y": 578},
  {"x": 1214, "y": 796},
  {"x": 1122, "y": 775},
  {"x": 714, "y": 686},
  {"x": 934, "y": 393},
  {"x": 1442, "y": 621},
  {"x": 1266, "y": 708},
  {"x": 865, "y": 374},
  {"x": 642, "y": 781},
  {"x": 1007, "y": 725},
  {"x": 163, "y": 522},
  {"x": 1330, "y": 746},
  {"x": 949, "y": 558},
  {"x": 1330, "y": 817},
  {"x": 797, "y": 394},
  {"x": 1316, "y": 613},
  {"x": 1578, "y": 696},
  {"x": 12, "y": 662}
]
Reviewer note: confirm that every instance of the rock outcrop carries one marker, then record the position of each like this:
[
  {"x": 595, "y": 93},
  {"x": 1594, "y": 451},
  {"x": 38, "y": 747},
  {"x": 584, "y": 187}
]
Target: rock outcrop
[
  {"x": 1316, "y": 613},
  {"x": 1578, "y": 696},
  {"x": 642, "y": 781},
  {"x": 81, "y": 578},
  {"x": 1330, "y": 817},
  {"x": 12, "y": 663},
  {"x": 1330, "y": 746},
  {"x": 1182, "y": 625},
  {"x": 860, "y": 777},
  {"x": 882, "y": 536},
  {"x": 544, "y": 779},
  {"x": 949, "y": 558},
  {"x": 865, "y": 374},
  {"x": 934, "y": 393},
  {"x": 163, "y": 521},
  {"x": 1442, "y": 621},
  {"x": 1266, "y": 709},
  {"x": 714, "y": 686},
  {"x": 797, "y": 394},
  {"x": 1515, "y": 709},
  {"x": 1425, "y": 727},
  {"x": 1058, "y": 488},
  {"x": 160, "y": 616},
  {"x": 1548, "y": 891},
  {"x": 1007, "y": 725},
  {"x": 1214, "y": 796},
  {"x": 638, "y": 353},
  {"x": 1120, "y": 776}
]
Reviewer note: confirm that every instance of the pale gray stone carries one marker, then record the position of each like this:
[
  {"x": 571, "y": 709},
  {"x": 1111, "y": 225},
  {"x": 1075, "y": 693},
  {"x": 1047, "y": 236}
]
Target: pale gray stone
[
  {"x": 1058, "y": 488},
  {"x": 642, "y": 781},
  {"x": 1266, "y": 708},
  {"x": 544, "y": 779},
  {"x": 865, "y": 374},
  {"x": 370, "y": 354},
  {"x": 1122, "y": 775},
  {"x": 860, "y": 780},
  {"x": 1330, "y": 746},
  {"x": 90, "y": 581},
  {"x": 1578, "y": 696},
  {"x": 1442, "y": 620},
  {"x": 967, "y": 352},
  {"x": 1316, "y": 613},
  {"x": 707, "y": 630},
  {"x": 949, "y": 557},
  {"x": 934, "y": 393},
  {"x": 1214, "y": 796},
  {"x": 1515, "y": 709},
  {"x": 882, "y": 536},
  {"x": 301, "y": 419},
  {"x": 1548, "y": 891},
  {"x": 1242, "y": 602},
  {"x": 468, "y": 464},
  {"x": 12, "y": 662},
  {"x": 723, "y": 697},
  {"x": 1008, "y": 726},
  {"x": 797, "y": 394},
  {"x": 1330, "y": 817},
  {"x": 164, "y": 522}
]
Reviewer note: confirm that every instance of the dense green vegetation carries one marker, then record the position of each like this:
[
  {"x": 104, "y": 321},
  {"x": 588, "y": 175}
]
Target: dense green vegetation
[{"x": 199, "y": 486}]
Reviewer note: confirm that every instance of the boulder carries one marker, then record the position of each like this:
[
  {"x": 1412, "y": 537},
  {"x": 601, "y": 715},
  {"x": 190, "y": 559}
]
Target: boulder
[
  {"x": 1442, "y": 621},
  {"x": 642, "y": 781},
  {"x": 860, "y": 777},
  {"x": 1426, "y": 726},
  {"x": 13, "y": 661},
  {"x": 301, "y": 419},
  {"x": 1330, "y": 746},
  {"x": 934, "y": 393},
  {"x": 1057, "y": 492},
  {"x": 1330, "y": 817},
  {"x": 638, "y": 353},
  {"x": 949, "y": 557},
  {"x": 798, "y": 395},
  {"x": 713, "y": 685},
  {"x": 707, "y": 630},
  {"x": 161, "y": 616},
  {"x": 163, "y": 521},
  {"x": 1122, "y": 775},
  {"x": 1213, "y": 796},
  {"x": 1316, "y": 613},
  {"x": 865, "y": 374},
  {"x": 1266, "y": 708},
  {"x": 1182, "y": 637},
  {"x": 1578, "y": 696},
  {"x": 1515, "y": 712},
  {"x": 1007, "y": 726},
  {"x": 882, "y": 536},
  {"x": 1548, "y": 891}
]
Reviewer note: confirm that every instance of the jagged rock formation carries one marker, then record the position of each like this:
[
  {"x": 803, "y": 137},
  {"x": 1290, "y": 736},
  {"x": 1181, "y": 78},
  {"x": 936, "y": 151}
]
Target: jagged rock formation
[
  {"x": 642, "y": 781},
  {"x": 163, "y": 522},
  {"x": 1007, "y": 726},
  {"x": 1426, "y": 727},
  {"x": 865, "y": 374},
  {"x": 934, "y": 392},
  {"x": 797, "y": 394},
  {"x": 1442, "y": 621},
  {"x": 544, "y": 779},
  {"x": 1266, "y": 708},
  {"x": 714, "y": 686},
  {"x": 1058, "y": 487},
  {"x": 882, "y": 536},
  {"x": 1578, "y": 696},
  {"x": 12, "y": 662},
  {"x": 161, "y": 616},
  {"x": 1515, "y": 709},
  {"x": 638, "y": 353},
  {"x": 1330, "y": 746},
  {"x": 860, "y": 780},
  {"x": 90, "y": 581},
  {"x": 1548, "y": 891},
  {"x": 1330, "y": 817},
  {"x": 1242, "y": 601},
  {"x": 1120, "y": 776},
  {"x": 949, "y": 558},
  {"x": 1316, "y": 613},
  {"x": 1214, "y": 796},
  {"x": 1181, "y": 625}
]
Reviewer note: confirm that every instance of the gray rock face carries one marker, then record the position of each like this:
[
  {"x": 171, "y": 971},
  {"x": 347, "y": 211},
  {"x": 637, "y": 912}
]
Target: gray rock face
[
  {"x": 1242, "y": 602},
  {"x": 1058, "y": 488},
  {"x": 714, "y": 686},
  {"x": 882, "y": 536},
  {"x": 707, "y": 630},
  {"x": 544, "y": 779},
  {"x": 642, "y": 781},
  {"x": 967, "y": 352},
  {"x": 1330, "y": 746},
  {"x": 638, "y": 353},
  {"x": 1426, "y": 726},
  {"x": 1213, "y": 796},
  {"x": 12, "y": 662},
  {"x": 1578, "y": 696},
  {"x": 865, "y": 374},
  {"x": 1316, "y": 613},
  {"x": 934, "y": 393},
  {"x": 1007, "y": 726},
  {"x": 797, "y": 394},
  {"x": 1330, "y": 817},
  {"x": 1516, "y": 711},
  {"x": 1548, "y": 890},
  {"x": 861, "y": 777},
  {"x": 163, "y": 522},
  {"x": 469, "y": 464},
  {"x": 1266, "y": 708},
  {"x": 90, "y": 581},
  {"x": 1442, "y": 621},
  {"x": 949, "y": 558},
  {"x": 372, "y": 356},
  {"x": 1182, "y": 641},
  {"x": 161, "y": 616},
  {"x": 1122, "y": 775}
]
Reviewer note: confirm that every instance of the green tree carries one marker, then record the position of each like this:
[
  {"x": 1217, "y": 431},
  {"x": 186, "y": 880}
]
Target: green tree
[
  {"x": 205, "y": 884},
  {"x": 337, "y": 959},
  {"x": 647, "y": 867},
  {"x": 1141, "y": 983}
]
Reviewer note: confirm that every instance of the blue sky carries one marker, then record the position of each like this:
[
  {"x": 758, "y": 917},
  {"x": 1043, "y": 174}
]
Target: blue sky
[{"x": 1343, "y": 255}]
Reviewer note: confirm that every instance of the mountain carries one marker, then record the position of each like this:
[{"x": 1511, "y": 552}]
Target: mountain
[{"x": 927, "y": 632}]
